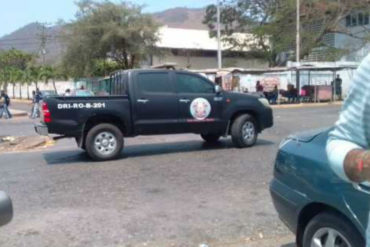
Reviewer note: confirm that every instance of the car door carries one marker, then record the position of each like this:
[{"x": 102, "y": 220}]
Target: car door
[
  {"x": 357, "y": 200},
  {"x": 200, "y": 108},
  {"x": 156, "y": 106}
]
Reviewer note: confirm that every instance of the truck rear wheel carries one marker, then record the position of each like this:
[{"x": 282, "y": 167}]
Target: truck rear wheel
[
  {"x": 244, "y": 131},
  {"x": 104, "y": 142},
  {"x": 211, "y": 138}
]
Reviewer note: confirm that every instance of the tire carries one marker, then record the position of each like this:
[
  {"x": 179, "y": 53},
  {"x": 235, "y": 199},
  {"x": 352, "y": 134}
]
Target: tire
[
  {"x": 210, "y": 138},
  {"x": 104, "y": 142},
  {"x": 244, "y": 131},
  {"x": 341, "y": 229}
]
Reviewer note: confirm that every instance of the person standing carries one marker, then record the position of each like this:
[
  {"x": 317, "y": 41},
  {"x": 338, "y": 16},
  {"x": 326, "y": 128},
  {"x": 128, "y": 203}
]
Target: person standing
[
  {"x": 259, "y": 87},
  {"x": 274, "y": 95},
  {"x": 338, "y": 87},
  {"x": 348, "y": 146},
  {"x": 67, "y": 93},
  {"x": 5, "y": 105}
]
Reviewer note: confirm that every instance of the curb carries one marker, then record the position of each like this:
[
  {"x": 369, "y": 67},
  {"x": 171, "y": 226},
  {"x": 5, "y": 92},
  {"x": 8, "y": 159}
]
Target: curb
[
  {"x": 21, "y": 100},
  {"x": 306, "y": 105},
  {"x": 18, "y": 113}
]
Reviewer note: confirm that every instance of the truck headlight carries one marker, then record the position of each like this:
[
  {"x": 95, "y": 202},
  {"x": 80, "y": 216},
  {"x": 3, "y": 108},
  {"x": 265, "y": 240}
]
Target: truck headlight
[{"x": 264, "y": 101}]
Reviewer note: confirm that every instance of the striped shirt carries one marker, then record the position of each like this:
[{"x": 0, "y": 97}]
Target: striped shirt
[{"x": 352, "y": 131}]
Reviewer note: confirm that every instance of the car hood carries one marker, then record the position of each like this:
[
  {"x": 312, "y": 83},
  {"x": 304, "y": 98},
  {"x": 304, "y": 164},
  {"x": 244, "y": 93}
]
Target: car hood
[{"x": 310, "y": 135}]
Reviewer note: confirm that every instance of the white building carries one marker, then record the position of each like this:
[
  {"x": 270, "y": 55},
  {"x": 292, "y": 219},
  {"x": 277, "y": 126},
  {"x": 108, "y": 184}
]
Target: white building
[
  {"x": 195, "y": 49},
  {"x": 354, "y": 37}
]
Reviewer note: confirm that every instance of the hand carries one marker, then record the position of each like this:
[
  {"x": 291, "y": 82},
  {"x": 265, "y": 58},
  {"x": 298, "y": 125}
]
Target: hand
[
  {"x": 365, "y": 174},
  {"x": 356, "y": 171}
]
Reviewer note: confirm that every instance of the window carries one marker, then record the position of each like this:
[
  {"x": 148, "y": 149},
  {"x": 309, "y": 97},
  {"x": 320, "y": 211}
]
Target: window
[
  {"x": 193, "y": 84},
  {"x": 348, "y": 21},
  {"x": 354, "y": 20},
  {"x": 366, "y": 19},
  {"x": 118, "y": 83},
  {"x": 360, "y": 19},
  {"x": 154, "y": 82}
]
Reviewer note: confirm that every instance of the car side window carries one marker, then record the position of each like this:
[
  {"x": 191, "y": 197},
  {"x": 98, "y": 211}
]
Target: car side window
[
  {"x": 154, "y": 82},
  {"x": 186, "y": 83}
]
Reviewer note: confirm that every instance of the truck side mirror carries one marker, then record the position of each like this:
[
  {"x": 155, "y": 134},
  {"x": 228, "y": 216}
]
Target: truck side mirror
[
  {"x": 218, "y": 89},
  {"x": 6, "y": 209}
]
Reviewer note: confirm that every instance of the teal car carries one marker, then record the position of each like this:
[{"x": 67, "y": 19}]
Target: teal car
[{"x": 318, "y": 207}]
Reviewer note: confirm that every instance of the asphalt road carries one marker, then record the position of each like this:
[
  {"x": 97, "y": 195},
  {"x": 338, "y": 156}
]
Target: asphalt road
[{"x": 164, "y": 191}]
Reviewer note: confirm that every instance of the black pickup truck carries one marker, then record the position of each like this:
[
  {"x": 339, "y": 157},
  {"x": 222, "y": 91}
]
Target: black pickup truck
[{"x": 152, "y": 102}]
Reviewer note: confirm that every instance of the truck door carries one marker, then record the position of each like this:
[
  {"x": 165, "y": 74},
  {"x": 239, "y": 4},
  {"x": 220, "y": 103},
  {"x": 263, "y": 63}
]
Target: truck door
[
  {"x": 156, "y": 106},
  {"x": 200, "y": 108}
]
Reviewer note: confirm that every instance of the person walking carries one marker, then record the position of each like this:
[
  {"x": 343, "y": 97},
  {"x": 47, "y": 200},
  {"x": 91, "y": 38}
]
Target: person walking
[
  {"x": 5, "y": 102},
  {"x": 348, "y": 146},
  {"x": 36, "y": 104}
]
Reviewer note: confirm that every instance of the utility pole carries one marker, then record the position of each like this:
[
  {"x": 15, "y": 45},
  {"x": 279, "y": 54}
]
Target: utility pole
[
  {"x": 298, "y": 51},
  {"x": 43, "y": 41},
  {"x": 298, "y": 46},
  {"x": 219, "y": 51}
]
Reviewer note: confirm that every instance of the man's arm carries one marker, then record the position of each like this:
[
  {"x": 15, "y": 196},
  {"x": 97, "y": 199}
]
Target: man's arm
[
  {"x": 349, "y": 140},
  {"x": 357, "y": 165}
]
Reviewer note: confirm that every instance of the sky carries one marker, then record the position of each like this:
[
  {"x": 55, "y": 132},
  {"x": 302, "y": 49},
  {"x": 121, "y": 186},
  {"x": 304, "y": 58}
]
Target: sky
[{"x": 18, "y": 13}]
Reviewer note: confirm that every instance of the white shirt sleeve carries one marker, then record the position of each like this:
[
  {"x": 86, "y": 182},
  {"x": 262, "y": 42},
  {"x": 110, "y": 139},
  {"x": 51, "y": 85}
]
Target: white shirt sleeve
[{"x": 337, "y": 151}]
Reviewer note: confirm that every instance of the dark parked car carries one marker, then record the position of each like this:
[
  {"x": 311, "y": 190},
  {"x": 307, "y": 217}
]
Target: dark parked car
[
  {"x": 6, "y": 209},
  {"x": 318, "y": 206},
  {"x": 152, "y": 102}
]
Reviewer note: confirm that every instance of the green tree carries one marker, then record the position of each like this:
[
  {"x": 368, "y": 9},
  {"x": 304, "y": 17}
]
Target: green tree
[
  {"x": 272, "y": 25},
  {"x": 15, "y": 76},
  {"x": 106, "y": 31},
  {"x": 10, "y": 60},
  {"x": 28, "y": 79},
  {"x": 35, "y": 72},
  {"x": 48, "y": 73}
]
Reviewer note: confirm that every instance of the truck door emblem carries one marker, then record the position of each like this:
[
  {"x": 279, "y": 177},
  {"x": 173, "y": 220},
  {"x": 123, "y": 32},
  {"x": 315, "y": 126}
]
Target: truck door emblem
[{"x": 200, "y": 108}]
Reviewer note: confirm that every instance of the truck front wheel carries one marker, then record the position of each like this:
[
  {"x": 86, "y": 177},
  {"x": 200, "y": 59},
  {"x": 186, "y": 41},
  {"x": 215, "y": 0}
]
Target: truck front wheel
[
  {"x": 244, "y": 131},
  {"x": 104, "y": 142}
]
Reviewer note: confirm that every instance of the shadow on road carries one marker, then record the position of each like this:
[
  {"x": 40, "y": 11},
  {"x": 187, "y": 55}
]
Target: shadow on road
[
  {"x": 289, "y": 245},
  {"x": 142, "y": 150}
]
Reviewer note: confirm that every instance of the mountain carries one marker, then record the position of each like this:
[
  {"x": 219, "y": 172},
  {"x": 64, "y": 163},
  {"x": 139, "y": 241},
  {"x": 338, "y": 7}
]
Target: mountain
[
  {"x": 29, "y": 37},
  {"x": 182, "y": 18}
]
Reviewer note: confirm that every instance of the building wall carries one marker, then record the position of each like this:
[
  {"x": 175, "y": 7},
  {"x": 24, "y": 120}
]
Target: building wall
[
  {"x": 24, "y": 91},
  {"x": 197, "y": 62},
  {"x": 358, "y": 23}
]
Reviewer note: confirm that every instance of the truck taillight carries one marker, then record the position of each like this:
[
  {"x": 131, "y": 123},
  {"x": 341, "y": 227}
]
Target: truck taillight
[{"x": 46, "y": 112}]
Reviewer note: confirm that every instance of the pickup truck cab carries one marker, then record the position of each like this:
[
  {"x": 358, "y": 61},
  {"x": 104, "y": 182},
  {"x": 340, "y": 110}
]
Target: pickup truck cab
[{"x": 152, "y": 102}]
